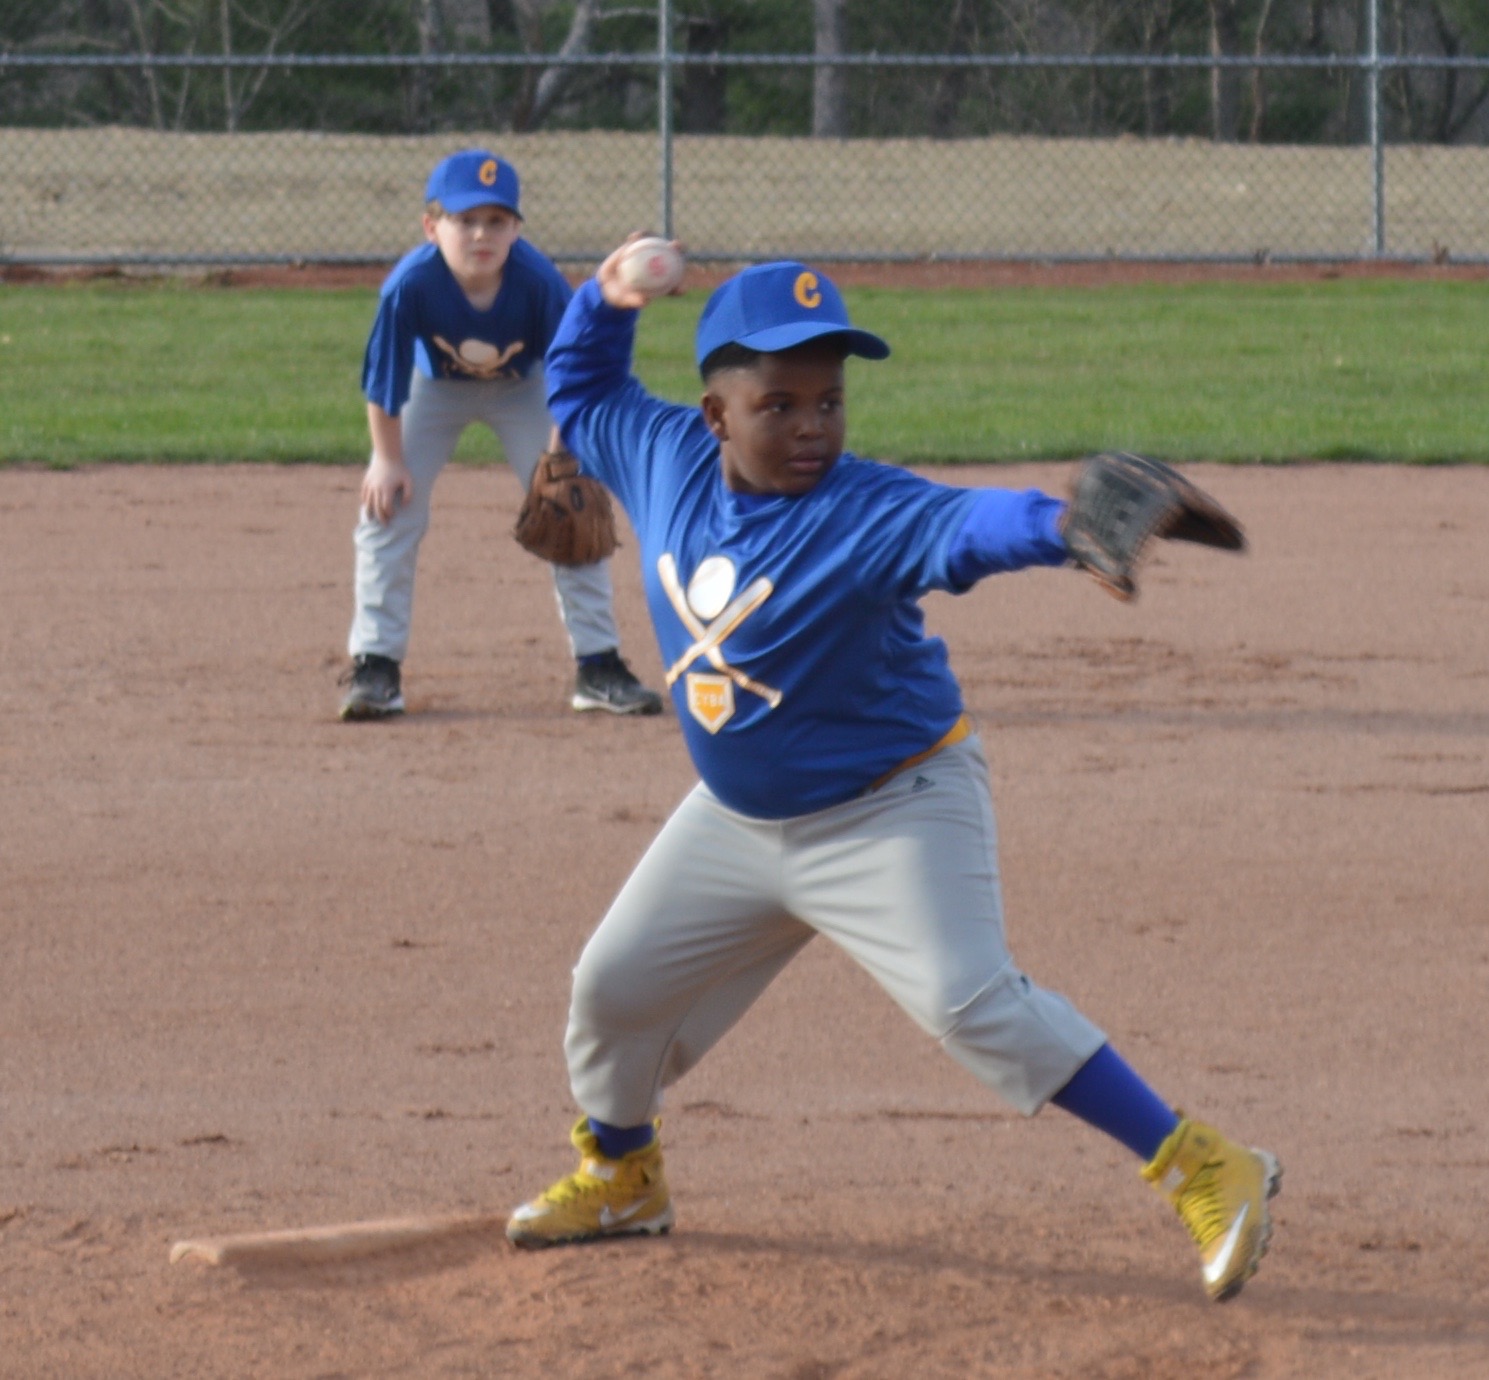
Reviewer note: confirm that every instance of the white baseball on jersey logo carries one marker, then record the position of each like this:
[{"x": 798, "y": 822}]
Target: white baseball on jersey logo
[
  {"x": 711, "y": 587},
  {"x": 710, "y": 615},
  {"x": 477, "y": 359}
]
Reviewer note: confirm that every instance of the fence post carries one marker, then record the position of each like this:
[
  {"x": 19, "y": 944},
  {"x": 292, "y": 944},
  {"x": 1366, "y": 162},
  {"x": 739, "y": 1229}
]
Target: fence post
[
  {"x": 1377, "y": 148},
  {"x": 664, "y": 110}
]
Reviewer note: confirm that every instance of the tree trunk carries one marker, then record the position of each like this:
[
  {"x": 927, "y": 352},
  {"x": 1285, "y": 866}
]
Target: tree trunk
[
  {"x": 946, "y": 95},
  {"x": 467, "y": 22},
  {"x": 152, "y": 87},
  {"x": 1225, "y": 85},
  {"x": 527, "y": 23},
  {"x": 551, "y": 84},
  {"x": 1451, "y": 121},
  {"x": 829, "y": 82},
  {"x": 428, "y": 23},
  {"x": 702, "y": 97},
  {"x": 1258, "y": 92},
  {"x": 230, "y": 109},
  {"x": 1157, "y": 33}
]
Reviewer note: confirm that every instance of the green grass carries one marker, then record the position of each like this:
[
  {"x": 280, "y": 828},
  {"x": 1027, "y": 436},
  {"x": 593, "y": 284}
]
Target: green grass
[
  {"x": 1347, "y": 368},
  {"x": 169, "y": 372},
  {"x": 1340, "y": 369}
]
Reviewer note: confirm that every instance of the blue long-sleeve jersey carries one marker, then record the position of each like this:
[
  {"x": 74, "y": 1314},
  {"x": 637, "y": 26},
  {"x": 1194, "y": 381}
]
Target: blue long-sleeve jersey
[
  {"x": 425, "y": 321},
  {"x": 790, "y": 626}
]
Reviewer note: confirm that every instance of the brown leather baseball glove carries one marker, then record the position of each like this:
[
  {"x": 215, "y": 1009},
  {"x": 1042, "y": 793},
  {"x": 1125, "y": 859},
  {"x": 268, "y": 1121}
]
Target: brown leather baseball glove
[
  {"x": 1120, "y": 502},
  {"x": 565, "y": 518}
]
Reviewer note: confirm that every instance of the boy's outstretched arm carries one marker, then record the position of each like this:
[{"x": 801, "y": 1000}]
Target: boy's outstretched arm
[{"x": 1006, "y": 530}]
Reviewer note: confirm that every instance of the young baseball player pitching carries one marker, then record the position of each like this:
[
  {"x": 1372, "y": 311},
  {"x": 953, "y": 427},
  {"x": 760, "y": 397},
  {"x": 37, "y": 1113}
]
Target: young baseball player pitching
[
  {"x": 461, "y": 327},
  {"x": 843, "y": 790}
]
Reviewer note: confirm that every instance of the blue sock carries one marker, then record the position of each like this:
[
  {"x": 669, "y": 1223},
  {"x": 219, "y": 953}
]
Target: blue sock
[
  {"x": 1107, "y": 1094},
  {"x": 590, "y": 658},
  {"x": 616, "y": 1141}
]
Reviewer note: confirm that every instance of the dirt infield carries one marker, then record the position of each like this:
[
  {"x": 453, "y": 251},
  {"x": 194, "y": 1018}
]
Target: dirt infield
[{"x": 264, "y": 969}]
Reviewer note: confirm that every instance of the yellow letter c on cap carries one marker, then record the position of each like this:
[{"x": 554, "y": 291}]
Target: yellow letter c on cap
[
  {"x": 487, "y": 174},
  {"x": 806, "y": 290}
]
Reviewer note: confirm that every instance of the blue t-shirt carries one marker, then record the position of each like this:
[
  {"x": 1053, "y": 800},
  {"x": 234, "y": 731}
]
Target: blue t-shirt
[
  {"x": 790, "y": 626},
  {"x": 425, "y": 320}
]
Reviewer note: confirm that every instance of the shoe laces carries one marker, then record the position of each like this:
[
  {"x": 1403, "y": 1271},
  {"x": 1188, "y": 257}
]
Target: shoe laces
[
  {"x": 571, "y": 1189},
  {"x": 1202, "y": 1206},
  {"x": 612, "y": 665},
  {"x": 578, "y": 1185}
]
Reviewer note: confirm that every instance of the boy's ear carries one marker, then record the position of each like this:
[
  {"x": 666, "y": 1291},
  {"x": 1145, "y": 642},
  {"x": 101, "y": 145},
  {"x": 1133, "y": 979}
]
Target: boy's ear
[
  {"x": 713, "y": 413},
  {"x": 429, "y": 223}
]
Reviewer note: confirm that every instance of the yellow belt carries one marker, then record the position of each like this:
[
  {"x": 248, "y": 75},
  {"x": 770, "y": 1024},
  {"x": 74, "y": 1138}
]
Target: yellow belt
[{"x": 962, "y": 728}]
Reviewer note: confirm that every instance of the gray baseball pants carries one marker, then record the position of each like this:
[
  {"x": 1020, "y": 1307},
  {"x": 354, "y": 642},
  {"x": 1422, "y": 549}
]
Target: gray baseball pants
[
  {"x": 437, "y": 411},
  {"x": 904, "y": 878}
]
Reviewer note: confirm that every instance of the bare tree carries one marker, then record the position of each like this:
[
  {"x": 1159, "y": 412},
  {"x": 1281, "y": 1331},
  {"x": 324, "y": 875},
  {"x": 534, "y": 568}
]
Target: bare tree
[
  {"x": 268, "y": 34},
  {"x": 946, "y": 95},
  {"x": 527, "y": 21},
  {"x": 152, "y": 86},
  {"x": 1454, "y": 115},
  {"x": 829, "y": 81},
  {"x": 551, "y": 84},
  {"x": 703, "y": 90},
  {"x": 467, "y": 22},
  {"x": 1156, "y": 25},
  {"x": 225, "y": 27},
  {"x": 1258, "y": 92},
  {"x": 1225, "y": 86},
  {"x": 428, "y": 27}
]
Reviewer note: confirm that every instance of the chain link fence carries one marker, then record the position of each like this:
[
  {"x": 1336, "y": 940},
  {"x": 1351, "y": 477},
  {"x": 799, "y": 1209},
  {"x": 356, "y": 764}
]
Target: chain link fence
[{"x": 1332, "y": 156}]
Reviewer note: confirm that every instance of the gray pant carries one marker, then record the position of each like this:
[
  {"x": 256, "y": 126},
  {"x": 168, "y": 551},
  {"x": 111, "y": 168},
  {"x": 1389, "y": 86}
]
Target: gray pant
[
  {"x": 904, "y": 878},
  {"x": 437, "y": 411}
]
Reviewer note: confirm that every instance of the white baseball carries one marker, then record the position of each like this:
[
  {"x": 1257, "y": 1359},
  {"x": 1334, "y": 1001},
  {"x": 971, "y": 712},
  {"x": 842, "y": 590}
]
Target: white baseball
[
  {"x": 650, "y": 265},
  {"x": 711, "y": 587},
  {"x": 477, "y": 352}
]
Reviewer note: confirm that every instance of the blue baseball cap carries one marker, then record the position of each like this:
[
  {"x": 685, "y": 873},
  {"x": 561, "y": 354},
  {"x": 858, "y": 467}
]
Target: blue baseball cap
[
  {"x": 775, "y": 306},
  {"x": 473, "y": 177}
]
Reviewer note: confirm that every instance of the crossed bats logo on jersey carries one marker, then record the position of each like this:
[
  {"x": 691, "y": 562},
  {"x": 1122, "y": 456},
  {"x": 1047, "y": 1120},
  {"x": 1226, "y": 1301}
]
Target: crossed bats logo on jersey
[
  {"x": 710, "y": 615},
  {"x": 478, "y": 359}
]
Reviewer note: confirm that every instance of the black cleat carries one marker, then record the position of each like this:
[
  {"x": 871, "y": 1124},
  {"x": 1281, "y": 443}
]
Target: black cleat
[
  {"x": 376, "y": 688},
  {"x": 607, "y": 683}
]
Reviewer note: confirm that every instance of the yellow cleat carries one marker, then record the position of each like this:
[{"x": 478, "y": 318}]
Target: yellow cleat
[
  {"x": 1221, "y": 1190},
  {"x": 603, "y": 1197}
]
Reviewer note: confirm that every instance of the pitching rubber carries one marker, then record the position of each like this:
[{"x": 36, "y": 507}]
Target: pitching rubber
[{"x": 340, "y": 1241}]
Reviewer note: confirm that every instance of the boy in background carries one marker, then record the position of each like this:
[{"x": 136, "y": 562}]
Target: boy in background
[{"x": 462, "y": 325}]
